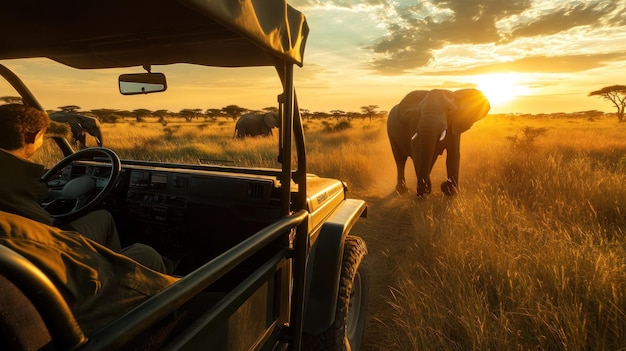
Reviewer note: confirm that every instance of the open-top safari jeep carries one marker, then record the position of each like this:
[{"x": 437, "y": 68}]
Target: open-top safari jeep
[{"x": 270, "y": 246}]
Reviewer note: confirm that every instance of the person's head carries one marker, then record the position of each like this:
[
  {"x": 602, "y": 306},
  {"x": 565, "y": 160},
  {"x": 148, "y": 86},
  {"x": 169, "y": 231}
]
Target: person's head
[{"x": 22, "y": 128}]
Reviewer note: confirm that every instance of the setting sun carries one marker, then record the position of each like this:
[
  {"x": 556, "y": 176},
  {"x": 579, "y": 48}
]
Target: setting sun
[{"x": 500, "y": 88}]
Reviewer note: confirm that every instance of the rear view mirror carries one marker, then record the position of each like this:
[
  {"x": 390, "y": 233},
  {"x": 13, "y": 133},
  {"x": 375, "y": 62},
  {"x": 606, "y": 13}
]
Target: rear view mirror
[{"x": 142, "y": 83}]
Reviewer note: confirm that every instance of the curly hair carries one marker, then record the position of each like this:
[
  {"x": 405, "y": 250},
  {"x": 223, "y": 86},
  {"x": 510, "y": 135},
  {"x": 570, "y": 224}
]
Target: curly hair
[{"x": 19, "y": 124}]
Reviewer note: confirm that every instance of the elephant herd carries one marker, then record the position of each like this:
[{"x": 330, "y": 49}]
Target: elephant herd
[
  {"x": 251, "y": 124},
  {"x": 427, "y": 122},
  {"x": 421, "y": 126},
  {"x": 248, "y": 125}
]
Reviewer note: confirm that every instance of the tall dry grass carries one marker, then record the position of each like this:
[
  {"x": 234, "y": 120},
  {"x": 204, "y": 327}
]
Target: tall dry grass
[
  {"x": 347, "y": 154},
  {"x": 531, "y": 255},
  {"x": 341, "y": 154}
]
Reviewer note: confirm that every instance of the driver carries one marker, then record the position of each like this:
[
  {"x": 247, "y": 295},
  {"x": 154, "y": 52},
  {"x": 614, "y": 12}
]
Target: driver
[{"x": 22, "y": 130}]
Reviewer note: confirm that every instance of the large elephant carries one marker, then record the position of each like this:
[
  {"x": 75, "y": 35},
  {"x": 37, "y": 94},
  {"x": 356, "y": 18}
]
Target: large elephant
[
  {"x": 253, "y": 124},
  {"x": 80, "y": 125},
  {"x": 424, "y": 124}
]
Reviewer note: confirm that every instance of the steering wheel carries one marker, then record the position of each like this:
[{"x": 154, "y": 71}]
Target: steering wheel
[{"x": 77, "y": 197}]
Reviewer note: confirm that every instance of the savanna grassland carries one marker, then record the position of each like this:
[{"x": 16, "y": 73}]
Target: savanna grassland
[{"x": 530, "y": 255}]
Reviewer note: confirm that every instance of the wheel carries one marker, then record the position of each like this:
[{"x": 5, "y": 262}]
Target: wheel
[
  {"x": 79, "y": 194},
  {"x": 346, "y": 332}
]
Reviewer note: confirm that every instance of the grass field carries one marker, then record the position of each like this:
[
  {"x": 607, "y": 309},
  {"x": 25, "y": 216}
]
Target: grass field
[{"x": 530, "y": 255}]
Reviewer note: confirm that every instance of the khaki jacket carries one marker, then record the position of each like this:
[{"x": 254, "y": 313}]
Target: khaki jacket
[
  {"x": 21, "y": 192},
  {"x": 98, "y": 284}
]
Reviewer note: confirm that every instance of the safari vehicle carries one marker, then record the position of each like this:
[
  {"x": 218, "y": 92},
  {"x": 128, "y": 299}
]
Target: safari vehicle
[{"x": 272, "y": 246}]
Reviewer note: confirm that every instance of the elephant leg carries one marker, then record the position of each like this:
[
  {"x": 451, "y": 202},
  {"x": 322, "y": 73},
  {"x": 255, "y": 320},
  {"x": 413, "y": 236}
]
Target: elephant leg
[
  {"x": 453, "y": 160},
  {"x": 400, "y": 141},
  {"x": 400, "y": 159},
  {"x": 400, "y": 181},
  {"x": 82, "y": 141},
  {"x": 265, "y": 131}
]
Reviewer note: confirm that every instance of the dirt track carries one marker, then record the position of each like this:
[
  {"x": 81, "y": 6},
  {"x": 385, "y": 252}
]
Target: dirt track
[
  {"x": 390, "y": 236},
  {"x": 387, "y": 232}
]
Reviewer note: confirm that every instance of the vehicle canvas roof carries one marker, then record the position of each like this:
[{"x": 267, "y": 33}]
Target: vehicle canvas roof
[{"x": 123, "y": 33}]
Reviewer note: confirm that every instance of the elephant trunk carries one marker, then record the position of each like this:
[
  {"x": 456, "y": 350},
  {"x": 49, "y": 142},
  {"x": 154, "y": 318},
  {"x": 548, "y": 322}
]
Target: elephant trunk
[
  {"x": 453, "y": 160},
  {"x": 423, "y": 149},
  {"x": 430, "y": 129}
]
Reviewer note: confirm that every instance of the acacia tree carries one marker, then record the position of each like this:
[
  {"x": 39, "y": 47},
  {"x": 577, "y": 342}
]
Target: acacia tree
[
  {"x": 213, "y": 113},
  {"x": 369, "y": 111},
  {"x": 617, "y": 95},
  {"x": 234, "y": 111},
  {"x": 305, "y": 113},
  {"x": 270, "y": 109},
  {"x": 338, "y": 113},
  {"x": 69, "y": 108},
  {"x": 140, "y": 113},
  {"x": 161, "y": 114},
  {"x": 105, "y": 114},
  {"x": 190, "y": 113},
  {"x": 11, "y": 99}
]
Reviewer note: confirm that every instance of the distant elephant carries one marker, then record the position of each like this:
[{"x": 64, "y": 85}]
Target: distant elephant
[
  {"x": 424, "y": 124},
  {"x": 80, "y": 125},
  {"x": 253, "y": 124}
]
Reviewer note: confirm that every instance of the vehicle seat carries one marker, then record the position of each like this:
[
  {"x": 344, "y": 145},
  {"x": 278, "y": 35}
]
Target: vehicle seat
[
  {"x": 21, "y": 326},
  {"x": 32, "y": 310},
  {"x": 34, "y": 315}
]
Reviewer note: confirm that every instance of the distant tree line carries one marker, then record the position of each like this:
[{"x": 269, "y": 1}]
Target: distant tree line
[
  {"x": 189, "y": 114},
  {"x": 616, "y": 94},
  {"x": 368, "y": 111},
  {"x": 588, "y": 115}
]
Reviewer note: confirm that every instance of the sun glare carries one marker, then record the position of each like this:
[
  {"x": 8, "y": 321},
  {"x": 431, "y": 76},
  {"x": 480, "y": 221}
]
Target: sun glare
[{"x": 499, "y": 88}]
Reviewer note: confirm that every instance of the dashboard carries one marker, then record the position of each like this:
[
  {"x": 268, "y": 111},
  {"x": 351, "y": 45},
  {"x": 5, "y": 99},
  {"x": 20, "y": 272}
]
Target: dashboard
[
  {"x": 157, "y": 194},
  {"x": 190, "y": 213},
  {"x": 187, "y": 213}
]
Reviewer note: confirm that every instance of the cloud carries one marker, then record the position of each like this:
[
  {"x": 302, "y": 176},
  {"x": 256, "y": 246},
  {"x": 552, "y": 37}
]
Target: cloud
[
  {"x": 567, "y": 17},
  {"x": 542, "y": 64},
  {"x": 415, "y": 32},
  {"x": 421, "y": 28},
  {"x": 303, "y": 4}
]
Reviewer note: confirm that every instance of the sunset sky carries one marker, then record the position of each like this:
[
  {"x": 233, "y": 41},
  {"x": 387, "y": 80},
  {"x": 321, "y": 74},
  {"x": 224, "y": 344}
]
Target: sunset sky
[{"x": 528, "y": 56}]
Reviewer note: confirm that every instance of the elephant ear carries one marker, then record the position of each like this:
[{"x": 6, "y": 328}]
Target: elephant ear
[
  {"x": 270, "y": 119},
  {"x": 408, "y": 109},
  {"x": 472, "y": 106}
]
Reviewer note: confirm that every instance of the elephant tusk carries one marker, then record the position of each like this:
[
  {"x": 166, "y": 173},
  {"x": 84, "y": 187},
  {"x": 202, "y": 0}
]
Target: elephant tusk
[
  {"x": 443, "y": 135},
  {"x": 414, "y": 136}
]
